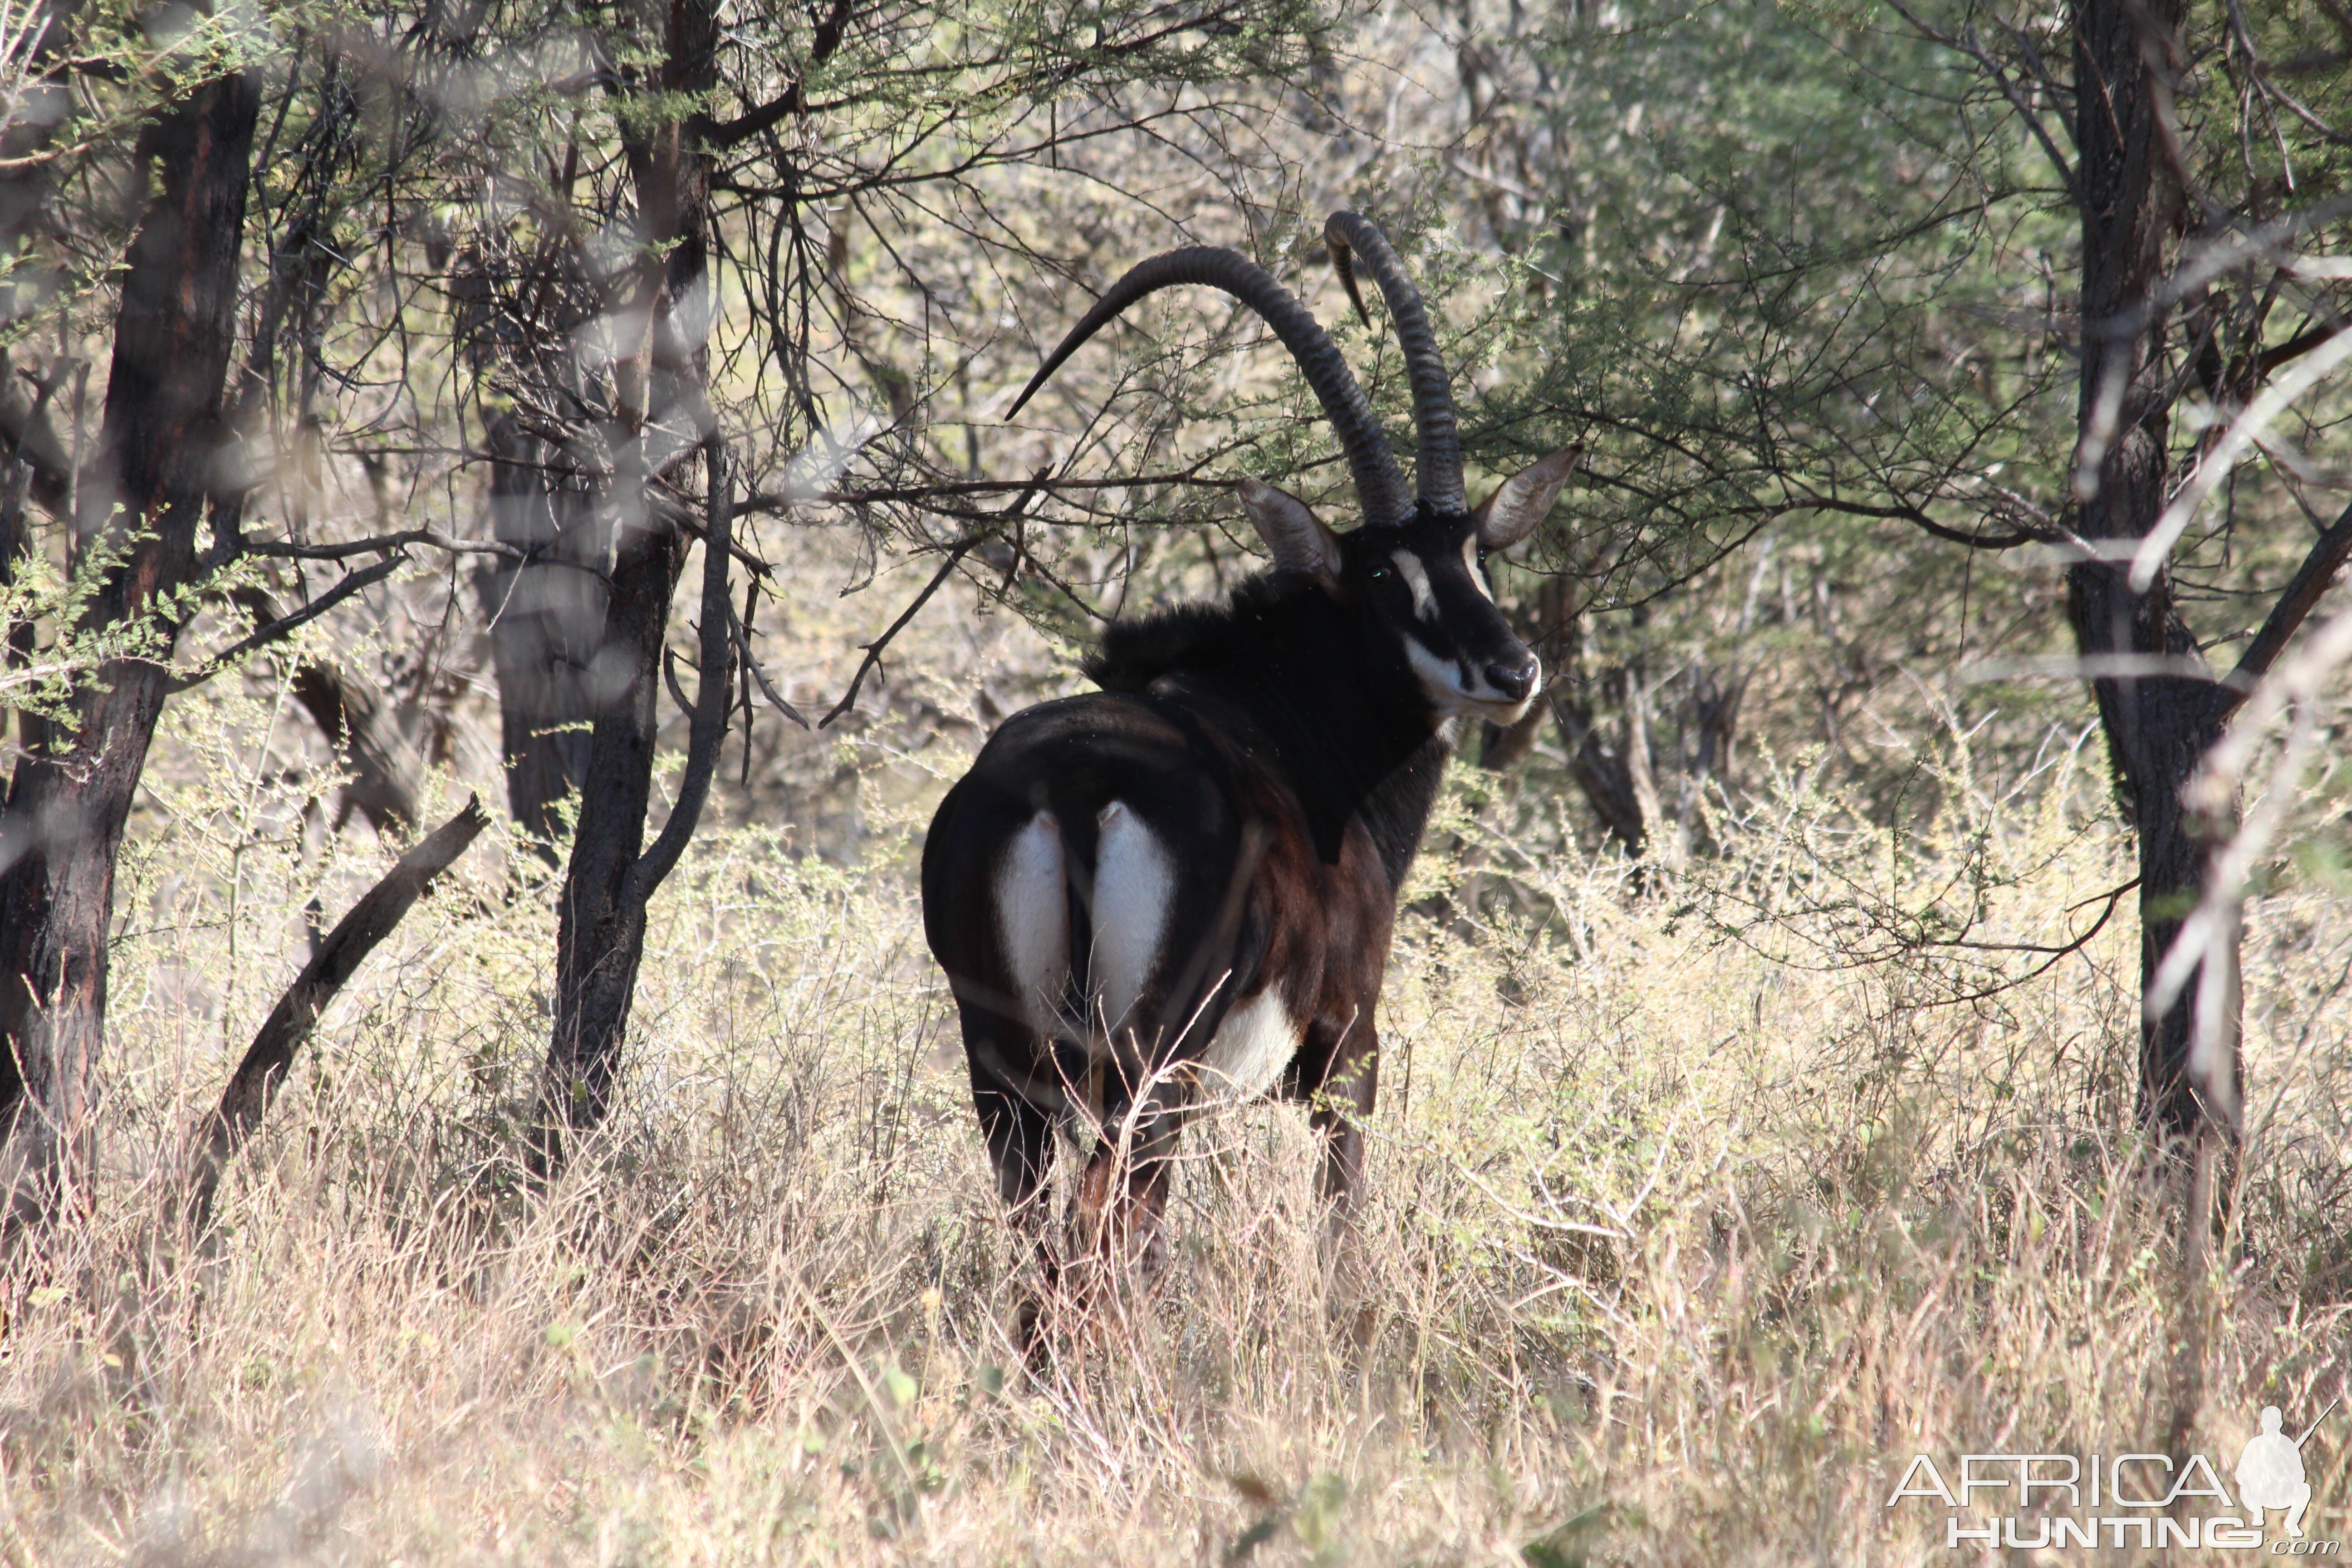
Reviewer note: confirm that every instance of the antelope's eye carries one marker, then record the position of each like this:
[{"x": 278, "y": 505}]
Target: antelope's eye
[
  {"x": 1379, "y": 573},
  {"x": 1482, "y": 555}
]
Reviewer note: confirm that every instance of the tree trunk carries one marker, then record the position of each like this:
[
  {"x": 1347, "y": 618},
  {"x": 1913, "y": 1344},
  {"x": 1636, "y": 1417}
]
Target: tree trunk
[
  {"x": 2157, "y": 725},
  {"x": 602, "y": 936},
  {"x": 547, "y": 621},
  {"x": 65, "y": 810},
  {"x": 600, "y": 940}
]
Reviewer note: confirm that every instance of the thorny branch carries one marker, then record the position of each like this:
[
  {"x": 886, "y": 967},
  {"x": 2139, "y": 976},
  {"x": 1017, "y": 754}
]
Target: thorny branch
[
  {"x": 286, "y": 625},
  {"x": 955, "y": 554}
]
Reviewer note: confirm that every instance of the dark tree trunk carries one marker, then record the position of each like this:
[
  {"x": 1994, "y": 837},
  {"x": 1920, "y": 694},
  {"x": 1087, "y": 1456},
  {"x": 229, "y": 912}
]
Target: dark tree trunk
[
  {"x": 602, "y": 916},
  {"x": 547, "y": 621},
  {"x": 602, "y": 936},
  {"x": 63, "y": 818},
  {"x": 2157, "y": 726}
]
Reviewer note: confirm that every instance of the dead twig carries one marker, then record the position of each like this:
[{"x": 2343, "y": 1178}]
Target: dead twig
[
  {"x": 285, "y": 625},
  {"x": 955, "y": 551},
  {"x": 267, "y": 1061},
  {"x": 751, "y": 668}
]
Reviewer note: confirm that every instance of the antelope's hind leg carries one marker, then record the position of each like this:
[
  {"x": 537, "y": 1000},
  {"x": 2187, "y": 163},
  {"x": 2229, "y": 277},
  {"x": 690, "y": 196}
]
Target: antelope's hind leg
[
  {"x": 1002, "y": 1060},
  {"x": 1117, "y": 1222}
]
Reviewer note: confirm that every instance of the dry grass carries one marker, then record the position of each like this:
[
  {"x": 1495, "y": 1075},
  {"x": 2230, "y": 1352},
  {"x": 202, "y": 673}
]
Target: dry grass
[{"x": 1690, "y": 1223}]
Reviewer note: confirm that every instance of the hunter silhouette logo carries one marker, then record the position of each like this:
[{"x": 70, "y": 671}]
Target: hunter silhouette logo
[
  {"x": 2152, "y": 1502},
  {"x": 2269, "y": 1472}
]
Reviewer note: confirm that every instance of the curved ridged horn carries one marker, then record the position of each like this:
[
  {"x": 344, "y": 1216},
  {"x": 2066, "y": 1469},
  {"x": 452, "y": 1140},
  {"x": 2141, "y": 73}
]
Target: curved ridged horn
[
  {"x": 1380, "y": 483},
  {"x": 1437, "y": 472}
]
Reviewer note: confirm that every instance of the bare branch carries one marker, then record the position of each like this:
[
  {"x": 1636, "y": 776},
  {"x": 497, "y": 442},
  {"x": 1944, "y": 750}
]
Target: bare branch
[
  {"x": 2008, "y": 90},
  {"x": 1918, "y": 519},
  {"x": 256, "y": 1080},
  {"x": 743, "y": 652},
  {"x": 2303, "y": 593},
  {"x": 384, "y": 543},
  {"x": 709, "y": 728},
  {"x": 956, "y": 553},
  {"x": 367, "y": 577}
]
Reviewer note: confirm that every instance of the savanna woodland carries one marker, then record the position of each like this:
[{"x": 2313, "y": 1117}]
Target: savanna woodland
[{"x": 513, "y": 519}]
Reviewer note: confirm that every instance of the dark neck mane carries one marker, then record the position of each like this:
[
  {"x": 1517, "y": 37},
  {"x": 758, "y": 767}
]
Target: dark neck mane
[{"x": 1353, "y": 734}]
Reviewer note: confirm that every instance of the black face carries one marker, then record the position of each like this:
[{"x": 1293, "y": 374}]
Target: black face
[{"x": 1425, "y": 584}]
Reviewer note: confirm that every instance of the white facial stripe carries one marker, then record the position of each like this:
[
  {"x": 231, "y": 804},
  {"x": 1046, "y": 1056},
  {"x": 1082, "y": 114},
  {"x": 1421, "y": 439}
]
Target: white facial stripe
[
  {"x": 1440, "y": 677},
  {"x": 1416, "y": 577},
  {"x": 1254, "y": 1043},
  {"x": 1033, "y": 917},
  {"x": 1470, "y": 559},
  {"x": 1135, "y": 886}
]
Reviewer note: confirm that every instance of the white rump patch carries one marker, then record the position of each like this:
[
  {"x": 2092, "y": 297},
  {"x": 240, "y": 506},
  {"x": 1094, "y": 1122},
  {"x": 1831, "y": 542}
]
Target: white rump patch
[
  {"x": 1135, "y": 886},
  {"x": 1033, "y": 920},
  {"x": 1253, "y": 1045},
  {"x": 1416, "y": 577}
]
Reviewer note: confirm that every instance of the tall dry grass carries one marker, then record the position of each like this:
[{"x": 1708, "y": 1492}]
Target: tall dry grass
[{"x": 1696, "y": 1208}]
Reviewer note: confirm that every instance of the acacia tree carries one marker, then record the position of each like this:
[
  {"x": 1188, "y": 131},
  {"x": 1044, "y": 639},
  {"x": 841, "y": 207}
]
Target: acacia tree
[
  {"x": 149, "y": 530},
  {"x": 2202, "y": 186},
  {"x": 656, "y": 415},
  {"x": 138, "y": 506},
  {"x": 2006, "y": 280}
]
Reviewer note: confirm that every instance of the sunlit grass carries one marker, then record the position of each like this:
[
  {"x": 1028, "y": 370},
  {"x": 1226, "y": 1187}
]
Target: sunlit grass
[{"x": 1685, "y": 1231}]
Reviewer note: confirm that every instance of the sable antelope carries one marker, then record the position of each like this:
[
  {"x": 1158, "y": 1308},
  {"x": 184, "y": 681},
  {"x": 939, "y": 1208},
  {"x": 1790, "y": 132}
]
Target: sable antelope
[{"x": 1181, "y": 889}]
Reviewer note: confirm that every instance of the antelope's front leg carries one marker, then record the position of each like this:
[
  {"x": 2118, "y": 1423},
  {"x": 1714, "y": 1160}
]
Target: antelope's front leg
[{"x": 1341, "y": 1105}]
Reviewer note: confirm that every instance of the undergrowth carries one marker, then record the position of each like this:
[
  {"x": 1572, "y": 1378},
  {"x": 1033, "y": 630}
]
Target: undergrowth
[{"x": 1699, "y": 1202}]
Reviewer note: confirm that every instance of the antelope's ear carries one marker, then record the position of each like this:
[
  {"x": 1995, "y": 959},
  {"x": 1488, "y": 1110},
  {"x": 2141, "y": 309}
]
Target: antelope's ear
[
  {"x": 1297, "y": 536},
  {"x": 1524, "y": 500}
]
